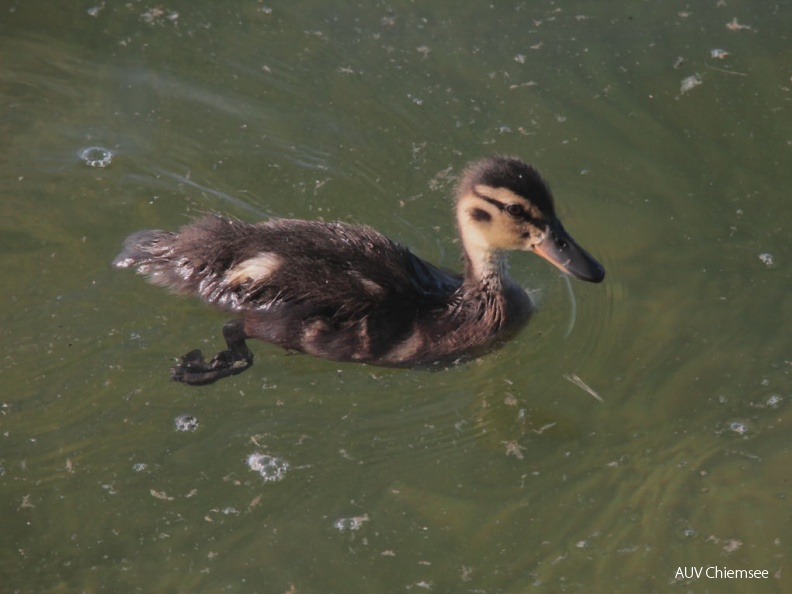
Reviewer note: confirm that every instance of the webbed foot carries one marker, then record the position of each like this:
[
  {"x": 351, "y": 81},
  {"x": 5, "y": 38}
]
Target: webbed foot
[{"x": 196, "y": 371}]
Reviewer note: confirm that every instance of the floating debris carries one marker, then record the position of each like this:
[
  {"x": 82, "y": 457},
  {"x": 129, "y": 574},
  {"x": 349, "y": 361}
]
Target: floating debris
[
  {"x": 733, "y": 25},
  {"x": 571, "y": 377},
  {"x": 95, "y": 10},
  {"x": 530, "y": 83},
  {"x": 690, "y": 83},
  {"x": 514, "y": 449},
  {"x": 718, "y": 54},
  {"x": 732, "y": 545},
  {"x": 726, "y": 71},
  {"x": 155, "y": 16}
]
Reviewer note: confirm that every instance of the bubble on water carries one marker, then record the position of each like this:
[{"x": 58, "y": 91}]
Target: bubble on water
[
  {"x": 139, "y": 467},
  {"x": 738, "y": 427},
  {"x": 186, "y": 423},
  {"x": 767, "y": 259},
  {"x": 683, "y": 531},
  {"x": 774, "y": 401},
  {"x": 97, "y": 156},
  {"x": 353, "y": 523},
  {"x": 271, "y": 468},
  {"x": 686, "y": 533}
]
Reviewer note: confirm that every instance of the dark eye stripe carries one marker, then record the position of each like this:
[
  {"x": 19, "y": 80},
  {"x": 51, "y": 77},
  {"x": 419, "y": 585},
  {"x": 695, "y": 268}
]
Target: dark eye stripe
[
  {"x": 512, "y": 208},
  {"x": 492, "y": 201},
  {"x": 501, "y": 206}
]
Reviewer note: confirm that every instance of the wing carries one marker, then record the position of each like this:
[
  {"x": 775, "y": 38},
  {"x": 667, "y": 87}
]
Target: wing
[
  {"x": 331, "y": 269},
  {"x": 341, "y": 271}
]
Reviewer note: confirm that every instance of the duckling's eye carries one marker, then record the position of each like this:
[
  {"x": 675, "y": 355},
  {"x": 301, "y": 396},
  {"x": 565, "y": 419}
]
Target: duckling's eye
[{"x": 515, "y": 210}]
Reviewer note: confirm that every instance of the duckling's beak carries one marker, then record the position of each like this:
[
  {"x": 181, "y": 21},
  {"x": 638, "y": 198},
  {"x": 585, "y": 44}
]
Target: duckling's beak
[{"x": 565, "y": 253}]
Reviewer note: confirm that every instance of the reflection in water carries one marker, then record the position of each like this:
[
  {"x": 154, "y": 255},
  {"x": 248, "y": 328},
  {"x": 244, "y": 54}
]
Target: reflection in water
[{"x": 497, "y": 476}]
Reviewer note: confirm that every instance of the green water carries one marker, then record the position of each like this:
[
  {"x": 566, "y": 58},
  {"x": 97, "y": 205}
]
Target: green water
[{"x": 500, "y": 476}]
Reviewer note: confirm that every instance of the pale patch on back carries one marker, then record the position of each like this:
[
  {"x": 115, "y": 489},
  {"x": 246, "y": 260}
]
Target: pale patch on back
[
  {"x": 372, "y": 287},
  {"x": 254, "y": 269},
  {"x": 364, "y": 340},
  {"x": 406, "y": 349}
]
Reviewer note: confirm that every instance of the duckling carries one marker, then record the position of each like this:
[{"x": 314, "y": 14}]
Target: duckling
[{"x": 348, "y": 293}]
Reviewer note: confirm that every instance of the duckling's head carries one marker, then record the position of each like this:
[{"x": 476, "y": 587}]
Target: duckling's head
[{"x": 504, "y": 204}]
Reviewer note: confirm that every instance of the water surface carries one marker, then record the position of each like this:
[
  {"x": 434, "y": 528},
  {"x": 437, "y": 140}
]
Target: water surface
[{"x": 670, "y": 163}]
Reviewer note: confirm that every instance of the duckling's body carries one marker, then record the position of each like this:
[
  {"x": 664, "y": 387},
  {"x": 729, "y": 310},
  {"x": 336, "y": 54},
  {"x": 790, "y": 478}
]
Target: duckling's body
[{"x": 348, "y": 293}]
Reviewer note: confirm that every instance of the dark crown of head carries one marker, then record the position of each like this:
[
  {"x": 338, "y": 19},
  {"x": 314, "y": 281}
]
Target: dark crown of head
[{"x": 515, "y": 175}]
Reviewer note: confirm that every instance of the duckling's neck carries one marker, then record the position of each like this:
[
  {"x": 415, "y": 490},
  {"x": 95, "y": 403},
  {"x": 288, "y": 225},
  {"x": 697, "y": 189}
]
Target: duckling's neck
[
  {"x": 485, "y": 267},
  {"x": 484, "y": 263}
]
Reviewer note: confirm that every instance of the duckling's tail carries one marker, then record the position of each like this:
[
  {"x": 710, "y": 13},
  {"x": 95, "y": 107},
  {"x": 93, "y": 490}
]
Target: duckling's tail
[{"x": 192, "y": 261}]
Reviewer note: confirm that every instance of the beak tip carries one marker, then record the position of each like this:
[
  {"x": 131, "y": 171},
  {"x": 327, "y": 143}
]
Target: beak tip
[
  {"x": 597, "y": 274},
  {"x": 593, "y": 273}
]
